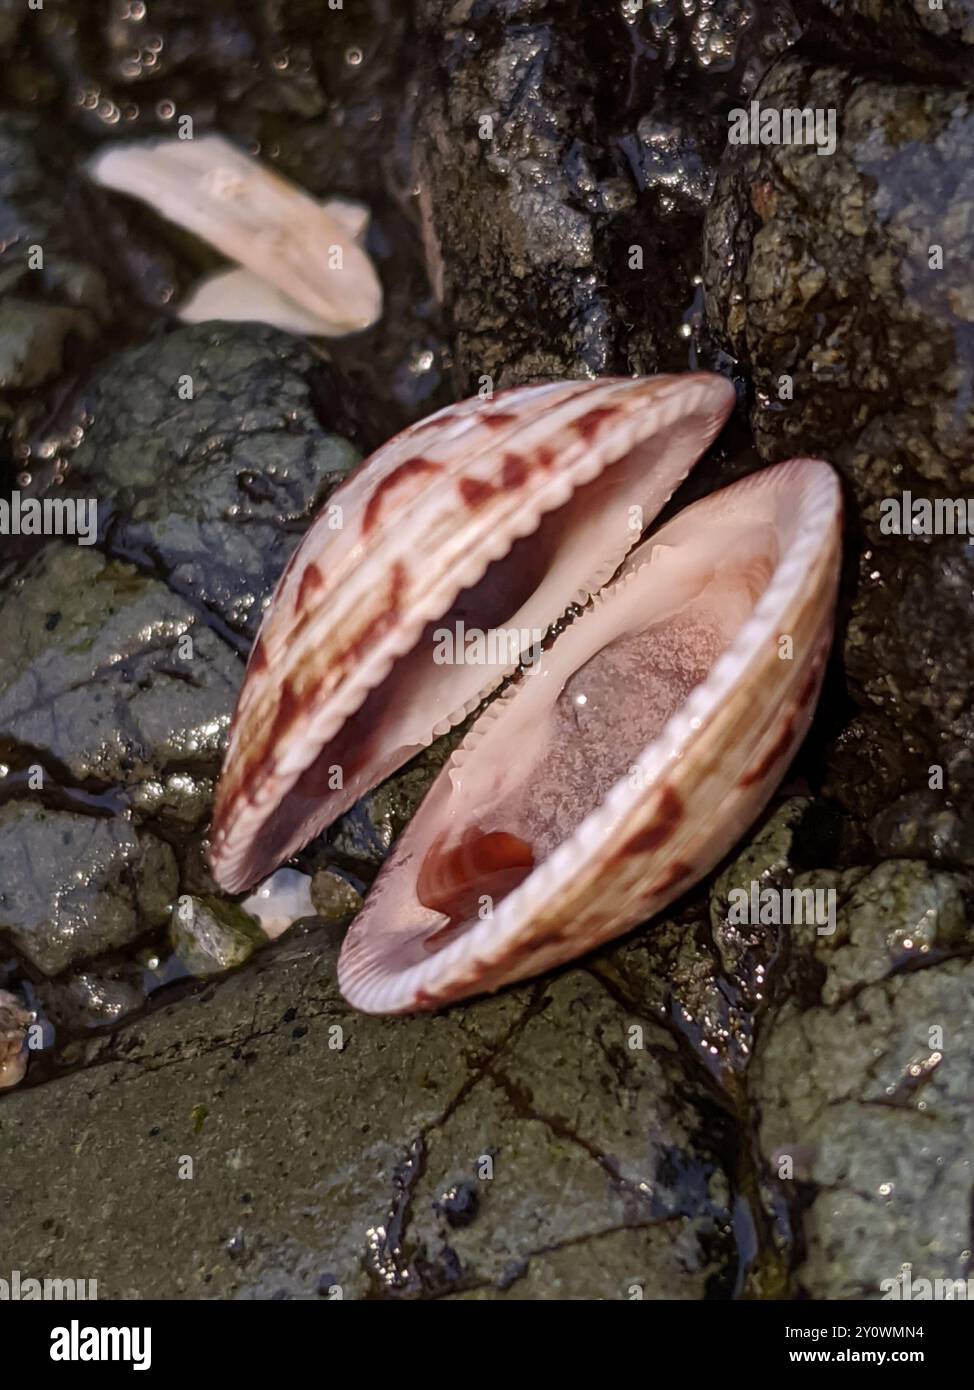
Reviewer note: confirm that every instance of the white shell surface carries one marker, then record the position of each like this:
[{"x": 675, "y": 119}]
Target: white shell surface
[
  {"x": 421, "y": 522},
  {"x": 256, "y": 218},
  {"x": 240, "y": 296},
  {"x": 686, "y": 798},
  {"x": 280, "y": 901}
]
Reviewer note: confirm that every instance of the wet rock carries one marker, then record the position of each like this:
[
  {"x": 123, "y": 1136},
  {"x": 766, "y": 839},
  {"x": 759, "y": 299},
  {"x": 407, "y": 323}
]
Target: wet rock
[
  {"x": 571, "y": 1101},
  {"x": 908, "y": 668},
  {"x": 35, "y": 164},
  {"x": 118, "y": 691},
  {"x": 558, "y": 172},
  {"x": 498, "y": 138},
  {"x": 921, "y": 826},
  {"x": 931, "y": 39},
  {"x": 862, "y": 1089},
  {"x": 32, "y": 341},
  {"x": 111, "y": 679},
  {"x": 818, "y": 268},
  {"x": 704, "y": 970},
  {"x": 540, "y": 1080},
  {"x": 56, "y": 305},
  {"x": 14, "y": 1021},
  {"x": 208, "y": 459},
  {"x": 76, "y": 886},
  {"x": 334, "y": 896},
  {"x": 181, "y": 799},
  {"x": 459, "y": 1204},
  {"x": 142, "y": 71},
  {"x": 921, "y": 914},
  {"x": 878, "y": 1115},
  {"x": 89, "y": 999},
  {"x": 822, "y": 273},
  {"x": 210, "y": 935}
]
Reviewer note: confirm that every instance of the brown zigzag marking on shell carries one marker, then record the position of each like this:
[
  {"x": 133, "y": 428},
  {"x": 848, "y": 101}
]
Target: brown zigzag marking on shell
[
  {"x": 409, "y": 468},
  {"x": 660, "y": 828},
  {"x": 589, "y": 424},
  {"x": 515, "y": 470},
  {"x": 677, "y": 871},
  {"x": 774, "y": 753},
  {"x": 311, "y": 582},
  {"x": 544, "y": 456},
  {"x": 379, "y": 625},
  {"x": 293, "y": 705},
  {"x": 475, "y": 491}
]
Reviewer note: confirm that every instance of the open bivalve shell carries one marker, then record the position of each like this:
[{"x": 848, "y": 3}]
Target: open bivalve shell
[{"x": 629, "y": 753}]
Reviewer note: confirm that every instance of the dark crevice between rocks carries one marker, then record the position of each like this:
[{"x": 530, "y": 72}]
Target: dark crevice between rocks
[
  {"x": 60, "y": 789},
  {"x": 761, "y": 1265},
  {"x": 519, "y": 1268},
  {"x": 394, "y": 1265}
]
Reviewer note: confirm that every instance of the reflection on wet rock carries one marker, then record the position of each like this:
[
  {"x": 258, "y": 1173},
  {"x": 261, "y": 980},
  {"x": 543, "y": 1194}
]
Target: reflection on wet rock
[
  {"x": 208, "y": 459},
  {"x": 78, "y": 885}
]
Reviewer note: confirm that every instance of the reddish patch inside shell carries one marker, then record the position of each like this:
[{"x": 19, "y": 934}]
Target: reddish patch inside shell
[
  {"x": 482, "y": 867},
  {"x": 548, "y": 753}
]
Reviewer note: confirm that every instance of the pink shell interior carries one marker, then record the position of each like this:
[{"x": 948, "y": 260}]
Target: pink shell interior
[{"x": 619, "y": 699}]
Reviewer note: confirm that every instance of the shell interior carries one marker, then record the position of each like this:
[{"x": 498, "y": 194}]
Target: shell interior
[{"x": 670, "y": 698}]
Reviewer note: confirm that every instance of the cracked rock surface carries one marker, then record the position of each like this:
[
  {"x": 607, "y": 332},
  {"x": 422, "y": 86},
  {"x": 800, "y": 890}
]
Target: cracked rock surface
[
  {"x": 326, "y": 1149},
  {"x": 111, "y": 677},
  {"x": 564, "y": 1139},
  {"x": 208, "y": 450},
  {"x": 866, "y": 1088}
]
